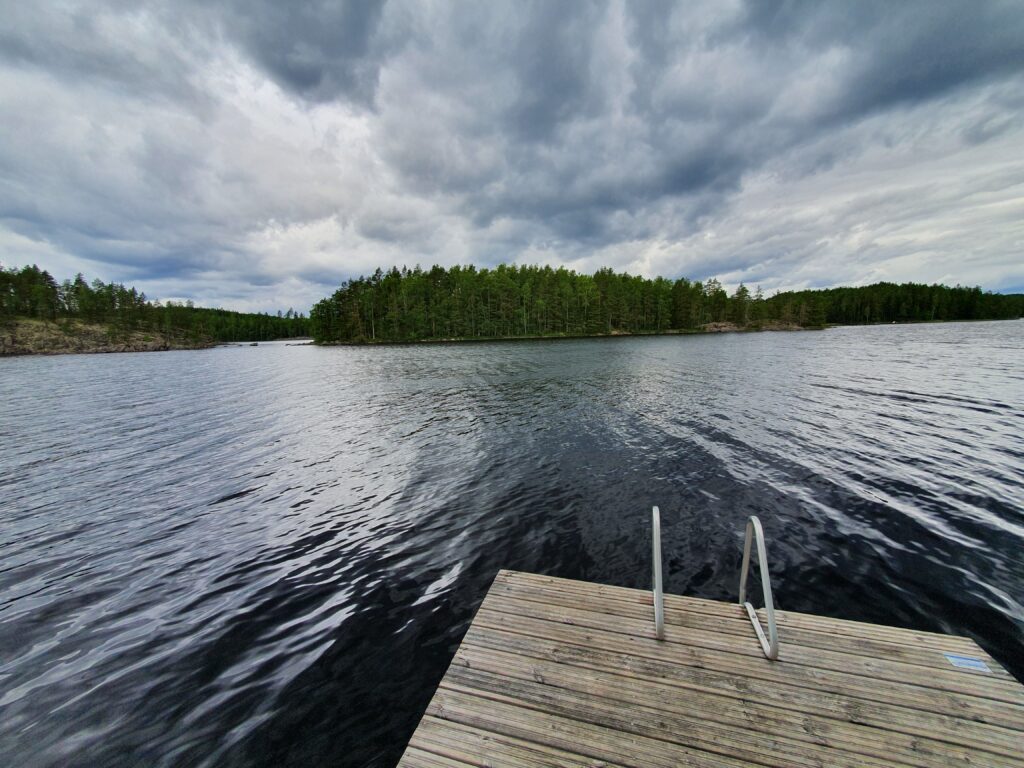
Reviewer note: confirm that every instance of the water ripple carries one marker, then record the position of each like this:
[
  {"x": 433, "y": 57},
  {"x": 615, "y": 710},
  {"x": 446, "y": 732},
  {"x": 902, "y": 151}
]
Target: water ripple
[{"x": 266, "y": 556}]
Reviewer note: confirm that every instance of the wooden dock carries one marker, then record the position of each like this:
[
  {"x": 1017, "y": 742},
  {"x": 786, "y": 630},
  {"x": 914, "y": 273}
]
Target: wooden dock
[{"x": 555, "y": 672}]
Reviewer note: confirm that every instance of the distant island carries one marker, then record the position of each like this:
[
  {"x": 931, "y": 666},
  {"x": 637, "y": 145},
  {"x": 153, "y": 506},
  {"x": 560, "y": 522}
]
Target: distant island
[
  {"x": 510, "y": 302},
  {"x": 38, "y": 315}
]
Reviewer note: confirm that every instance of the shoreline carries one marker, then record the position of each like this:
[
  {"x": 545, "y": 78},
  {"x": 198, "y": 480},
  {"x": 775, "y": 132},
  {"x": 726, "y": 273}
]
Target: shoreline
[
  {"x": 708, "y": 329},
  {"x": 774, "y": 327},
  {"x": 24, "y": 336},
  {"x": 75, "y": 337},
  {"x": 27, "y": 336}
]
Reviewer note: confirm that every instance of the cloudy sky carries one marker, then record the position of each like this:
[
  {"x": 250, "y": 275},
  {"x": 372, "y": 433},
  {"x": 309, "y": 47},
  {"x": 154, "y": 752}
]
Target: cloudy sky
[{"x": 254, "y": 154}]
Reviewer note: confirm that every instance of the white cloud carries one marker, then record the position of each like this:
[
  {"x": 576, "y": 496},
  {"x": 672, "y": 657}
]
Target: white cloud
[{"x": 193, "y": 157}]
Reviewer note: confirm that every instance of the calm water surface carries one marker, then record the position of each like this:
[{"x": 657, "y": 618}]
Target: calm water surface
[{"x": 267, "y": 556}]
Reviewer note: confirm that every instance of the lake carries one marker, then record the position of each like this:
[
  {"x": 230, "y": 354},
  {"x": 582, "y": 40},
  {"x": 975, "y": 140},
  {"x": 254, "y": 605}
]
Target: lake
[{"x": 267, "y": 555}]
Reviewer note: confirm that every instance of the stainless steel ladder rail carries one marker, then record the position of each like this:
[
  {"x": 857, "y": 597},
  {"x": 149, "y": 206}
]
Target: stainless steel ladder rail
[
  {"x": 769, "y": 644},
  {"x": 659, "y": 595}
]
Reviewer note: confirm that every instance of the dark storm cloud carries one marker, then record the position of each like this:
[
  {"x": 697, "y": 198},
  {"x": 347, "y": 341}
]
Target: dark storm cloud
[
  {"x": 320, "y": 50},
  {"x": 551, "y": 58},
  {"x": 904, "y": 52},
  {"x": 703, "y": 138},
  {"x": 261, "y": 142}
]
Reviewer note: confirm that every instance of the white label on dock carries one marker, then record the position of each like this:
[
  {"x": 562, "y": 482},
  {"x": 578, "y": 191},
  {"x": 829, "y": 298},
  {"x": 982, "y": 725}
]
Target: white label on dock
[{"x": 967, "y": 662}]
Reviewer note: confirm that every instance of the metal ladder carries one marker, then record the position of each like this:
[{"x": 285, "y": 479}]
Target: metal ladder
[{"x": 769, "y": 644}]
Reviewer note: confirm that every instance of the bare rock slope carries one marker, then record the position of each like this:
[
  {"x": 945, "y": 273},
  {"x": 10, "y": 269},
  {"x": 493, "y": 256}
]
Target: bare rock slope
[{"x": 24, "y": 336}]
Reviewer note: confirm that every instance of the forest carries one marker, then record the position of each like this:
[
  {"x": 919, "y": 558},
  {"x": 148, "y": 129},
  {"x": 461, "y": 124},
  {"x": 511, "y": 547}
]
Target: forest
[
  {"x": 528, "y": 301},
  {"x": 32, "y": 292}
]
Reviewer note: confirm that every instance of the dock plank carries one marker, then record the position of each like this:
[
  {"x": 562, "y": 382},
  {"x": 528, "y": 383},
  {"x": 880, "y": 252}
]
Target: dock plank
[
  {"x": 747, "y": 716},
  {"x": 562, "y": 673},
  {"x": 487, "y": 748},
  {"x": 694, "y": 614},
  {"x": 695, "y": 681},
  {"x": 947, "y": 678},
  {"x": 841, "y": 683},
  {"x": 529, "y": 583}
]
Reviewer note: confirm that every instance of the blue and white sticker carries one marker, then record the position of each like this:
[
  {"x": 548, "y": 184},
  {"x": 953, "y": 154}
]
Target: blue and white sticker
[{"x": 967, "y": 662}]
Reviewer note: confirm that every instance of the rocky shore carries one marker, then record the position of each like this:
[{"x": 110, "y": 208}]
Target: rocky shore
[
  {"x": 768, "y": 325},
  {"x": 24, "y": 336}
]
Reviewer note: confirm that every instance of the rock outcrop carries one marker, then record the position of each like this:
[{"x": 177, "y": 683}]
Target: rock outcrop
[{"x": 24, "y": 336}]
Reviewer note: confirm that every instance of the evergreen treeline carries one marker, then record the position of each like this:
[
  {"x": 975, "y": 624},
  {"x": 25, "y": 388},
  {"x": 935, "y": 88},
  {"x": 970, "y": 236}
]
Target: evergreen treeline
[
  {"x": 517, "y": 301},
  {"x": 32, "y": 292},
  {"x": 907, "y": 303}
]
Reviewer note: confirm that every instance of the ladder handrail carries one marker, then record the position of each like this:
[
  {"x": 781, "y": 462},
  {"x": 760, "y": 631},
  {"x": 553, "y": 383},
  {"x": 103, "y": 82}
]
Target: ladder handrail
[
  {"x": 769, "y": 645},
  {"x": 656, "y": 585}
]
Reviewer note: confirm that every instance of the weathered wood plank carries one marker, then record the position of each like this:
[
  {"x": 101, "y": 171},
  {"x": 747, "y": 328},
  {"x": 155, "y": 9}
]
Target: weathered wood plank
[
  {"x": 875, "y": 746},
  {"x": 947, "y": 679},
  {"x": 528, "y": 583},
  {"x": 732, "y": 620},
  {"x": 488, "y": 748},
  {"x": 695, "y": 681},
  {"x": 415, "y": 757},
  {"x": 562, "y": 673},
  {"x": 832, "y": 626},
  {"x": 929, "y": 699},
  {"x": 568, "y": 733},
  {"x": 684, "y": 729}
]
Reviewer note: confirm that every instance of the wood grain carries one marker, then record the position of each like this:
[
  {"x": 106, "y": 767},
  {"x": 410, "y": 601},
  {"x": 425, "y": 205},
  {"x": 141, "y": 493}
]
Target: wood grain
[{"x": 565, "y": 673}]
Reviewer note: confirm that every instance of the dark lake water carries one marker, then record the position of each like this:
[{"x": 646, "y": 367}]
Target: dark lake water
[{"x": 267, "y": 556}]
